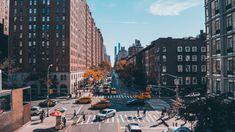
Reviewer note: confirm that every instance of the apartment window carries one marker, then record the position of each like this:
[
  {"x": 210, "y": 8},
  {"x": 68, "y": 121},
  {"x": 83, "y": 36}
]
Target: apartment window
[
  {"x": 48, "y": 2},
  {"x": 163, "y": 68},
  {"x": 180, "y": 68},
  {"x": 20, "y": 53},
  {"x": 228, "y": 2},
  {"x": 30, "y": 11},
  {"x": 164, "y": 58},
  {"x": 188, "y": 80},
  {"x": 187, "y": 68},
  {"x": 20, "y": 60},
  {"x": 187, "y": 58},
  {"x": 180, "y": 58},
  {"x": 217, "y": 26},
  {"x": 231, "y": 88},
  {"x": 194, "y": 58},
  {"x": 187, "y": 49},
  {"x": 163, "y": 49},
  {"x": 230, "y": 44},
  {"x": 180, "y": 79},
  {"x": 30, "y": 35},
  {"x": 229, "y": 22},
  {"x": 194, "y": 49},
  {"x": 30, "y": 43},
  {"x": 34, "y": 11},
  {"x": 180, "y": 49},
  {"x": 203, "y": 49},
  {"x": 203, "y": 58},
  {"x": 34, "y": 60},
  {"x": 48, "y": 19},
  {"x": 194, "y": 68},
  {"x": 230, "y": 66},
  {"x": 194, "y": 79},
  {"x": 203, "y": 68},
  {"x": 203, "y": 81}
]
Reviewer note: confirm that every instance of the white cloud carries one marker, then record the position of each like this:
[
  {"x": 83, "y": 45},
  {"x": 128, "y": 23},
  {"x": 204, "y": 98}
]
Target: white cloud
[{"x": 172, "y": 7}]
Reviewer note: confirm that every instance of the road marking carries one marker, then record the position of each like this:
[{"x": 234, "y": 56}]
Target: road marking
[
  {"x": 88, "y": 119},
  {"x": 121, "y": 118},
  {"x": 79, "y": 119},
  {"x": 107, "y": 120},
  {"x": 155, "y": 117},
  {"x": 113, "y": 119},
  {"x": 147, "y": 118},
  {"x": 99, "y": 126},
  {"x": 151, "y": 118},
  {"x": 117, "y": 119},
  {"x": 79, "y": 109},
  {"x": 93, "y": 119},
  {"x": 119, "y": 127},
  {"x": 127, "y": 118}
]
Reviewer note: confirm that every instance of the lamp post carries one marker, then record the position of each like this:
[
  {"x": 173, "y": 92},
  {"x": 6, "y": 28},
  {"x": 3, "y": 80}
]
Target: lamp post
[
  {"x": 176, "y": 83},
  {"x": 48, "y": 69}
]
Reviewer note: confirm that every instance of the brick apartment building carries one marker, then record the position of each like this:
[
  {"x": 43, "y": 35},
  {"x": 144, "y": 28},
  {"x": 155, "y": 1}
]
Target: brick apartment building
[
  {"x": 184, "y": 58},
  {"x": 58, "y": 32},
  {"x": 220, "y": 32}
]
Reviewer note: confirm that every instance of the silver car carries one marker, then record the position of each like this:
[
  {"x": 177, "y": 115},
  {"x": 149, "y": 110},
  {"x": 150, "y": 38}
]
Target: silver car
[
  {"x": 106, "y": 113},
  {"x": 133, "y": 127},
  {"x": 35, "y": 110}
]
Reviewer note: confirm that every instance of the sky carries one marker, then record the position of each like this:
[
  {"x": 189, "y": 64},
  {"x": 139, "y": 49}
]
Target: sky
[{"x": 146, "y": 20}]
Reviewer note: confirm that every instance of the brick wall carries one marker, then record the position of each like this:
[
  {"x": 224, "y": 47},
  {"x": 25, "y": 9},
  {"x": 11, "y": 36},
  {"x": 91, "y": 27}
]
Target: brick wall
[{"x": 18, "y": 115}]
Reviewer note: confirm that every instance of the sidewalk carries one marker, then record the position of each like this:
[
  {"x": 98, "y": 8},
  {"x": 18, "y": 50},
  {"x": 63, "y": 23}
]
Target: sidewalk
[{"x": 158, "y": 104}]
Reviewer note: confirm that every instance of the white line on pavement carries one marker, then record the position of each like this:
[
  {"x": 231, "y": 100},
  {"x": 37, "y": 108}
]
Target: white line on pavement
[
  {"x": 117, "y": 119},
  {"x": 93, "y": 119},
  {"x": 88, "y": 119},
  {"x": 113, "y": 119},
  {"x": 79, "y": 119},
  {"x": 121, "y": 118},
  {"x": 127, "y": 118},
  {"x": 147, "y": 118},
  {"x": 151, "y": 118}
]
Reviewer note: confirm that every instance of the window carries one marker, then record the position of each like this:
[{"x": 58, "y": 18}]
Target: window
[
  {"x": 203, "y": 49},
  {"x": 163, "y": 49},
  {"x": 230, "y": 66},
  {"x": 217, "y": 26},
  {"x": 194, "y": 80},
  {"x": 194, "y": 49},
  {"x": 229, "y": 22},
  {"x": 187, "y": 58},
  {"x": 187, "y": 49},
  {"x": 194, "y": 68},
  {"x": 203, "y": 58},
  {"x": 188, "y": 80},
  {"x": 20, "y": 61},
  {"x": 180, "y": 79},
  {"x": 187, "y": 68},
  {"x": 180, "y": 58},
  {"x": 163, "y": 68},
  {"x": 180, "y": 49},
  {"x": 230, "y": 44},
  {"x": 203, "y": 81},
  {"x": 228, "y": 2},
  {"x": 203, "y": 68},
  {"x": 194, "y": 58},
  {"x": 180, "y": 68},
  {"x": 164, "y": 58}
]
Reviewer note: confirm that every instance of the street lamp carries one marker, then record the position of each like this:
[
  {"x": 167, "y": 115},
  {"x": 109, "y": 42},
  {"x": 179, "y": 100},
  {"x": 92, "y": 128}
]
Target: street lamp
[
  {"x": 48, "y": 69},
  {"x": 176, "y": 82}
]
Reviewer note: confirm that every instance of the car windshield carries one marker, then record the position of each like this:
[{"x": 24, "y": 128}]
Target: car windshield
[{"x": 103, "y": 112}]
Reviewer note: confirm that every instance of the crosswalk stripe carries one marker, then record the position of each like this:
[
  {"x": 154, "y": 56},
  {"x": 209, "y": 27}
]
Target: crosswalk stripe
[
  {"x": 151, "y": 118},
  {"x": 79, "y": 119},
  {"x": 117, "y": 119},
  {"x": 88, "y": 119},
  {"x": 93, "y": 119},
  {"x": 147, "y": 118},
  {"x": 121, "y": 118},
  {"x": 154, "y": 116},
  {"x": 127, "y": 118},
  {"x": 113, "y": 119},
  {"x": 107, "y": 120}
]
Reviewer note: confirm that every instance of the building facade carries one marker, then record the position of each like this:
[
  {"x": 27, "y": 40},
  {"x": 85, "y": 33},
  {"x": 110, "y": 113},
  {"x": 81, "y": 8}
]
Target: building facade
[
  {"x": 122, "y": 54},
  {"x": 136, "y": 47},
  {"x": 57, "y": 32},
  {"x": 220, "y": 29},
  {"x": 184, "y": 58}
]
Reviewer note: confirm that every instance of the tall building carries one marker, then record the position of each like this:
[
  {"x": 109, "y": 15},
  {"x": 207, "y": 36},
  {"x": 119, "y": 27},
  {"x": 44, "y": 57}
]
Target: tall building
[
  {"x": 136, "y": 47},
  {"x": 61, "y": 33},
  {"x": 220, "y": 26},
  {"x": 183, "y": 57},
  {"x": 4, "y": 15},
  {"x": 3, "y": 45},
  {"x": 122, "y": 54}
]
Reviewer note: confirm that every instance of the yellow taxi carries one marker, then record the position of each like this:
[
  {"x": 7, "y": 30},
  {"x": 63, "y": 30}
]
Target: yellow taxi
[
  {"x": 143, "y": 96},
  {"x": 84, "y": 100},
  {"x": 102, "y": 104},
  {"x": 113, "y": 91}
]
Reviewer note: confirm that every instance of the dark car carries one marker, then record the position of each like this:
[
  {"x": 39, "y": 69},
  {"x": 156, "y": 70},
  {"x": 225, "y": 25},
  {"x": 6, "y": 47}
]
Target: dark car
[
  {"x": 50, "y": 103},
  {"x": 135, "y": 102}
]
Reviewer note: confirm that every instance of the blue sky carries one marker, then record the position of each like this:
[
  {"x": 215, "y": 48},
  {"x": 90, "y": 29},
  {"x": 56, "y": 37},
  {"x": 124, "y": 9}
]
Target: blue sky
[{"x": 126, "y": 20}]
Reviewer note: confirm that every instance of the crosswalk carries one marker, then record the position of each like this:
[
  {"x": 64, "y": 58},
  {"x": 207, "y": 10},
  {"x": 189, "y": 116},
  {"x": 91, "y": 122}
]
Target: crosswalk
[
  {"x": 120, "y": 118},
  {"x": 114, "y": 96}
]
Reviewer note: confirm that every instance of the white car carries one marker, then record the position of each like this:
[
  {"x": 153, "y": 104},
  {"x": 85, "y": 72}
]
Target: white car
[
  {"x": 133, "y": 127},
  {"x": 35, "y": 110},
  {"x": 193, "y": 94},
  {"x": 106, "y": 113}
]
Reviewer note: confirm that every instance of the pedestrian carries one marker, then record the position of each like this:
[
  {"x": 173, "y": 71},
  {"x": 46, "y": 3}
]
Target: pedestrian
[
  {"x": 138, "y": 111},
  {"x": 176, "y": 124},
  {"x": 173, "y": 124},
  {"x": 74, "y": 113},
  {"x": 144, "y": 112},
  {"x": 41, "y": 117},
  {"x": 64, "y": 121},
  {"x": 84, "y": 116},
  {"x": 80, "y": 93},
  {"x": 43, "y": 113}
]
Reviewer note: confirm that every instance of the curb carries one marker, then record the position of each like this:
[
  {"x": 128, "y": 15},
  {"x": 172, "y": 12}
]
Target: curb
[{"x": 26, "y": 124}]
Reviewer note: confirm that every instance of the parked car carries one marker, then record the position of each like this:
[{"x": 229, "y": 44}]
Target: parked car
[
  {"x": 104, "y": 103},
  {"x": 35, "y": 110},
  {"x": 106, "y": 113},
  {"x": 135, "y": 102},
  {"x": 84, "y": 100},
  {"x": 193, "y": 94},
  {"x": 177, "y": 129},
  {"x": 133, "y": 127},
  {"x": 50, "y": 103}
]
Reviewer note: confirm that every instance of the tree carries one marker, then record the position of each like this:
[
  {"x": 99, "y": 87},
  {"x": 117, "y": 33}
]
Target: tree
[
  {"x": 125, "y": 71},
  {"x": 211, "y": 113}
]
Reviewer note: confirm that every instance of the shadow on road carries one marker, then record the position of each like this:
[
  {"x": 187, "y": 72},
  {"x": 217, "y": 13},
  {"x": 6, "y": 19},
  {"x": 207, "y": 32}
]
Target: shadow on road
[{"x": 52, "y": 129}]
